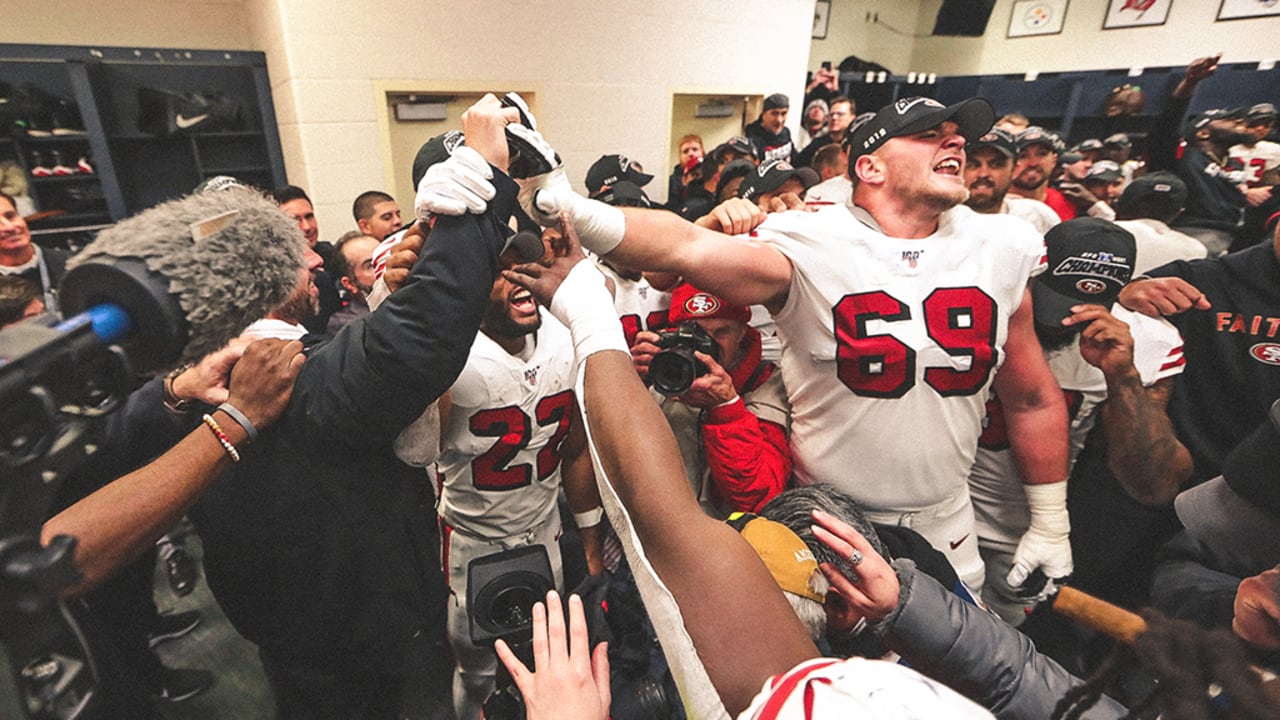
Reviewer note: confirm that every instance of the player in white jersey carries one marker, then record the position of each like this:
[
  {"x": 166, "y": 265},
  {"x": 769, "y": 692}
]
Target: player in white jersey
[
  {"x": 1101, "y": 353},
  {"x": 510, "y": 436},
  {"x": 1257, "y": 163},
  {"x": 891, "y": 349},
  {"x": 640, "y": 305}
]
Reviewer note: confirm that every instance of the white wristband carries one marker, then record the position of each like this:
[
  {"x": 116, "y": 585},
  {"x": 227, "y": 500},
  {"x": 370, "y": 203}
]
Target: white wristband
[
  {"x": 600, "y": 227},
  {"x": 583, "y": 304},
  {"x": 589, "y": 518}
]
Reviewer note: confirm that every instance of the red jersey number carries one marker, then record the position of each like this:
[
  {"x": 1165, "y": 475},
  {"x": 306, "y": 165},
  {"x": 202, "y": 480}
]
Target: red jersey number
[
  {"x": 962, "y": 321},
  {"x": 492, "y": 470}
]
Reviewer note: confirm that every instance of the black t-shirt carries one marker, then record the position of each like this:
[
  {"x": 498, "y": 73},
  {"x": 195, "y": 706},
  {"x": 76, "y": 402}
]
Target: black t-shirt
[{"x": 1232, "y": 351}]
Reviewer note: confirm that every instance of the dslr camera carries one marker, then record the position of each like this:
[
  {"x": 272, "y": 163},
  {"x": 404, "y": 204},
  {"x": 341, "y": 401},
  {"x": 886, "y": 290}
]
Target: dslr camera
[{"x": 675, "y": 368}]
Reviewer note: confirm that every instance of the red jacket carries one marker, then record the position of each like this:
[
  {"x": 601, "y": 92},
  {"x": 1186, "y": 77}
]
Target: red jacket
[{"x": 749, "y": 458}]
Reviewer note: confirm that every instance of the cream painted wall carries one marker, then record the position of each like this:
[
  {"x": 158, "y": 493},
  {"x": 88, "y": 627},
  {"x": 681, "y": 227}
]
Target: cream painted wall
[
  {"x": 194, "y": 24},
  {"x": 886, "y": 41},
  {"x": 604, "y": 73}
]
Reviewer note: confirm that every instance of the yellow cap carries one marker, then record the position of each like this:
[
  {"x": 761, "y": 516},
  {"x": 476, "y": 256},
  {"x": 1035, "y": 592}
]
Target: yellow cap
[{"x": 789, "y": 560}]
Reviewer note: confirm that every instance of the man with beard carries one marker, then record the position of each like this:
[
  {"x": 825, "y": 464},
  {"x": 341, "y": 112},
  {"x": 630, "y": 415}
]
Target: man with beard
[
  {"x": 895, "y": 311},
  {"x": 988, "y": 173},
  {"x": 1110, "y": 363},
  {"x": 353, "y": 264},
  {"x": 1214, "y": 213},
  {"x": 287, "y": 320},
  {"x": 1038, "y": 151},
  {"x": 510, "y": 436}
]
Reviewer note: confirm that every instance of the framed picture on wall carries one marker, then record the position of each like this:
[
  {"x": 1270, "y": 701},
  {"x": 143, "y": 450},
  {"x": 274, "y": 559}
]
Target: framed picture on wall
[
  {"x": 1240, "y": 9},
  {"x": 1037, "y": 17},
  {"x": 821, "y": 18},
  {"x": 1136, "y": 13}
]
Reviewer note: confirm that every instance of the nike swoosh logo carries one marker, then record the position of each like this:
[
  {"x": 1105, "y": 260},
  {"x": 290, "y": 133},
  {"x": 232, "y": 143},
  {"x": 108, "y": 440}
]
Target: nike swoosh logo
[
  {"x": 186, "y": 122},
  {"x": 959, "y": 542}
]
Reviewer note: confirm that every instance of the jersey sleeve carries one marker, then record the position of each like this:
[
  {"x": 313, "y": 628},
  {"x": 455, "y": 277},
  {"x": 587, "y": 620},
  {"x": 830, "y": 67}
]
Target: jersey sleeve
[{"x": 1157, "y": 346}]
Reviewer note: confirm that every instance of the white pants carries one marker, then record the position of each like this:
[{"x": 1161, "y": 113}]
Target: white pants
[
  {"x": 949, "y": 527},
  {"x": 473, "y": 680}
]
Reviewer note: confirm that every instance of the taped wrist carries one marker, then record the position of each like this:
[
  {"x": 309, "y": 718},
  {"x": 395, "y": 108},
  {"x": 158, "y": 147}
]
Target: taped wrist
[
  {"x": 1048, "y": 505},
  {"x": 583, "y": 304},
  {"x": 600, "y": 227}
]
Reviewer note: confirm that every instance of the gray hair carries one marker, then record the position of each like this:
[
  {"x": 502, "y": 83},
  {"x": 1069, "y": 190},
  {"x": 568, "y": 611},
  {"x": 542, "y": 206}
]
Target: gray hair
[{"x": 794, "y": 508}]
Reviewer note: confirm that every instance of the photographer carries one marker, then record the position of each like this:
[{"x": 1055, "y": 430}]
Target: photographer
[{"x": 732, "y": 421}]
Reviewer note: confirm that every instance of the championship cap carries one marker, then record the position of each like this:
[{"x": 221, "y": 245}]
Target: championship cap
[
  {"x": 775, "y": 101},
  {"x": 998, "y": 139},
  {"x": 1089, "y": 145},
  {"x": 1156, "y": 195},
  {"x": 1261, "y": 111},
  {"x": 624, "y": 193},
  {"x": 1036, "y": 135},
  {"x": 766, "y": 178},
  {"x": 610, "y": 169},
  {"x": 808, "y": 177},
  {"x": 737, "y": 168},
  {"x": 1089, "y": 261},
  {"x": 690, "y": 303},
  {"x": 1069, "y": 157},
  {"x": 915, "y": 114},
  {"x": 1119, "y": 140},
  {"x": 790, "y": 561},
  {"x": 1237, "y": 514},
  {"x": 1104, "y": 171},
  {"x": 1200, "y": 120},
  {"x": 437, "y": 149}
]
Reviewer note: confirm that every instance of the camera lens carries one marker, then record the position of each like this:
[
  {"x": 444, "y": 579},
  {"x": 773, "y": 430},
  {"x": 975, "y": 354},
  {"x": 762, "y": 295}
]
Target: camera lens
[
  {"x": 673, "y": 371},
  {"x": 511, "y": 607}
]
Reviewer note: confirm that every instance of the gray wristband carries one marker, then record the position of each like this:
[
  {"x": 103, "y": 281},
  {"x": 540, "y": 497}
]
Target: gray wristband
[{"x": 240, "y": 419}]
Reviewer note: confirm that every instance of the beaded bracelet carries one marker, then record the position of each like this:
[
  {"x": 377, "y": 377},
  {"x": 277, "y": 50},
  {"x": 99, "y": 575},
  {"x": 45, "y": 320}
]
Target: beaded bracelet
[
  {"x": 222, "y": 437},
  {"x": 241, "y": 419}
]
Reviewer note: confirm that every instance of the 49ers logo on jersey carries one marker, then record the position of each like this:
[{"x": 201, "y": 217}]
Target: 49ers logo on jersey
[
  {"x": 1268, "y": 353},
  {"x": 702, "y": 305}
]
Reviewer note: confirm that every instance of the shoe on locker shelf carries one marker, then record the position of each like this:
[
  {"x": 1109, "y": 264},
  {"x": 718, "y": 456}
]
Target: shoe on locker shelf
[
  {"x": 38, "y": 168},
  {"x": 59, "y": 168}
]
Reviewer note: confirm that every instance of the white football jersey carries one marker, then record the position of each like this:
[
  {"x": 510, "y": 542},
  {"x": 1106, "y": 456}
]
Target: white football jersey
[
  {"x": 1249, "y": 164},
  {"x": 500, "y": 451},
  {"x": 1041, "y": 216},
  {"x": 995, "y": 485},
  {"x": 640, "y": 306},
  {"x": 890, "y": 346}
]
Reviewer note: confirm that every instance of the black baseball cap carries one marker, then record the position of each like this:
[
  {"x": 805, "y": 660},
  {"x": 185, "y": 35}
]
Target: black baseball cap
[
  {"x": 997, "y": 138},
  {"x": 610, "y": 169},
  {"x": 437, "y": 149},
  {"x": 1089, "y": 145},
  {"x": 769, "y": 176},
  {"x": 1261, "y": 111},
  {"x": 624, "y": 193},
  {"x": 1119, "y": 140},
  {"x": 1103, "y": 171},
  {"x": 915, "y": 114},
  {"x": 1158, "y": 195},
  {"x": 737, "y": 168},
  {"x": 1089, "y": 260},
  {"x": 1200, "y": 120},
  {"x": 1036, "y": 135}
]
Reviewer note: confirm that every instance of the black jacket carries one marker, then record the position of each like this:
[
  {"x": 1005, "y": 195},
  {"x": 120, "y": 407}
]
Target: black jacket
[{"x": 320, "y": 545}]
